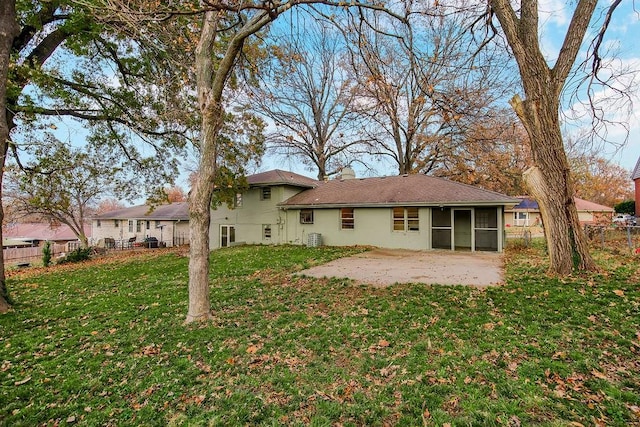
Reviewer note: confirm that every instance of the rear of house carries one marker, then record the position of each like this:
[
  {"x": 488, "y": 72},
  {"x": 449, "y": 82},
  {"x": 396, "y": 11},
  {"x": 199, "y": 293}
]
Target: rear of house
[
  {"x": 169, "y": 224},
  {"x": 408, "y": 212}
]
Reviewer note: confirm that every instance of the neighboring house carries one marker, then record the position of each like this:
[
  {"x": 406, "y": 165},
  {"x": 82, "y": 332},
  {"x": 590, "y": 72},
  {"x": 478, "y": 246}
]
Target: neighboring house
[
  {"x": 635, "y": 176},
  {"x": 35, "y": 234},
  {"x": 168, "y": 223},
  {"x": 410, "y": 211},
  {"x": 527, "y": 213}
]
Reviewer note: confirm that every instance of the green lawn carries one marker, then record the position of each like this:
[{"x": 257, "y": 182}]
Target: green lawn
[{"x": 105, "y": 344}]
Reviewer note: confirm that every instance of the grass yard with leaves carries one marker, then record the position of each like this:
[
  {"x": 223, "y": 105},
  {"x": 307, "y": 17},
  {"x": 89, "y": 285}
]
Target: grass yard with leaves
[{"x": 105, "y": 343}]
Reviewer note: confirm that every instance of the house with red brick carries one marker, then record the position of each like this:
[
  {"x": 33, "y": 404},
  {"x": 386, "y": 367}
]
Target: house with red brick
[{"x": 635, "y": 176}]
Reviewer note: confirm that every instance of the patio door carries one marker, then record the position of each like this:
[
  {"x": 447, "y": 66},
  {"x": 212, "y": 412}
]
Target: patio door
[
  {"x": 227, "y": 235},
  {"x": 462, "y": 229}
]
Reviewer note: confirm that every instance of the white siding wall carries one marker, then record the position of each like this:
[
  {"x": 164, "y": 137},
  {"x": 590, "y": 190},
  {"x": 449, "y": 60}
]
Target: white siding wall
[
  {"x": 373, "y": 226},
  {"x": 250, "y": 218},
  {"x": 170, "y": 229}
]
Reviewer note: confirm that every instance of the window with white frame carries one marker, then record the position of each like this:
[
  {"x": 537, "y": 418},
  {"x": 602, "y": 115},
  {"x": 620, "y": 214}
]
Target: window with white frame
[
  {"x": 238, "y": 202},
  {"x": 138, "y": 226},
  {"x": 347, "y": 219},
  {"x": 130, "y": 226},
  {"x": 306, "y": 216},
  {"x": 266, "y": 231},
  {"x": 406, "y": 219},
  {"x": 521, "y": 218}
]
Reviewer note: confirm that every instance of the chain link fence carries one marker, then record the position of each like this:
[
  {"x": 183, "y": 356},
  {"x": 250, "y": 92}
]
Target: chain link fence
[{"x": 622, "y": 237}]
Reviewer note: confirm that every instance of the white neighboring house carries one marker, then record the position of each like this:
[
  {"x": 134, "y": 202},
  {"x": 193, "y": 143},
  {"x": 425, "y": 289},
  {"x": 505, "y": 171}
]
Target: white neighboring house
[{"x": 128, "y": 227}]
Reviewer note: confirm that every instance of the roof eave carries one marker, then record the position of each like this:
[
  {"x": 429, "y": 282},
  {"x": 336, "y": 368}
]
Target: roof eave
[{"x": 285, "y": 206}]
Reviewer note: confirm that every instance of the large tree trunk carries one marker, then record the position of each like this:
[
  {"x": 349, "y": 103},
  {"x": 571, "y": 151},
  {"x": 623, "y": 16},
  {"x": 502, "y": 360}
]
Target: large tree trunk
[
  {"x": 199, "y": 223},
  {"x": 550, "y": 180},
  {"x": 550, "y": 184},
  {"x": 202, "y": 191},
  {"x": 211, "y": 79},
  {"x": 9, "y": 29}
]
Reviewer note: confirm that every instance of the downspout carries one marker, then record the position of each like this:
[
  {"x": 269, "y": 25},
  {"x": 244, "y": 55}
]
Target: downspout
[{"x": 173, "y": 232}]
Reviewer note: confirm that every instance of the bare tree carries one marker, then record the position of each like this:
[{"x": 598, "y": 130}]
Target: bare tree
[
  {"x": 492, "y": 154},
  {"x": 108, "y": 205},
  {"x": 62, "y": 184},
  {"x": 308, "y": 94},
  {"x": 549, "y": 180},
  {"x": 418, "y": 88}
]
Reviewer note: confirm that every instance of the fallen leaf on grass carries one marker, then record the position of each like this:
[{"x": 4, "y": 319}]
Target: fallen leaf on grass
[
  {"x": 254, "y": 348},
  {"x": 24, "y": 381},
  {"x": 426, "y": 414},
  {"x": 619, "y": 292},
  {"x": 599, "y": 374}
]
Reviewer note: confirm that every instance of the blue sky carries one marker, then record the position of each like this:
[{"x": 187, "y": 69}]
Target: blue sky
[
  {"x": 622, "y": 42},
  {"x": 623, "y": 38}
]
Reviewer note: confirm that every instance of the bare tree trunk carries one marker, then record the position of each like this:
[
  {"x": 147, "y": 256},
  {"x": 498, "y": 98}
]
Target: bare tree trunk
[
  {"x": 211, "y": 79},
  {"x": 202, "y": 191},
  {"x": 8, "y": 31},
  {"x": 550, "y": 184},
  {"x": 550, "y": 180}
]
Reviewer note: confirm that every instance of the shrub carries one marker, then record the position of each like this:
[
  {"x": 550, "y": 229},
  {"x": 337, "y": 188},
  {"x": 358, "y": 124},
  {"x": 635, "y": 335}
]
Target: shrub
[
  {"x": 46, "y": 254},
  {"x": 77, "y": 255},
  {"x": 628, "y": 207}
]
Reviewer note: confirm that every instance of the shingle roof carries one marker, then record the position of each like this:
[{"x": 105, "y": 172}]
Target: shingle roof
[
  {"x": 636, "y": 171},
  {"x": 585, "y": 205},
  {"x": 41, "y": 231},
  {"x": 416, "y": 190},
  {"x": 170, "y": 212},
  {"x": 280, "y": 177}
]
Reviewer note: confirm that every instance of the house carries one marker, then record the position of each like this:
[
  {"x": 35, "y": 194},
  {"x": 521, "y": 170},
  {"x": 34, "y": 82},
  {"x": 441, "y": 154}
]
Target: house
[
  {"x": 527, "y": 213},
  {"x": 635, "y": 176},
  {"x": 168, "y": 223},
  {"x": 410, "y": 211},
  {"x": 36, "y": 233}
]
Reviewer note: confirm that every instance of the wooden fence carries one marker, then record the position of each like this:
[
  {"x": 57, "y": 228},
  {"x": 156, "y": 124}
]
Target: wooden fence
[{"x": 13, "y": 256}]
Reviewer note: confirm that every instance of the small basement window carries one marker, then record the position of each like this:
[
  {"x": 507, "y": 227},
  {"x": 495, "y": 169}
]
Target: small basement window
[{"x": 306, "y": 216}]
